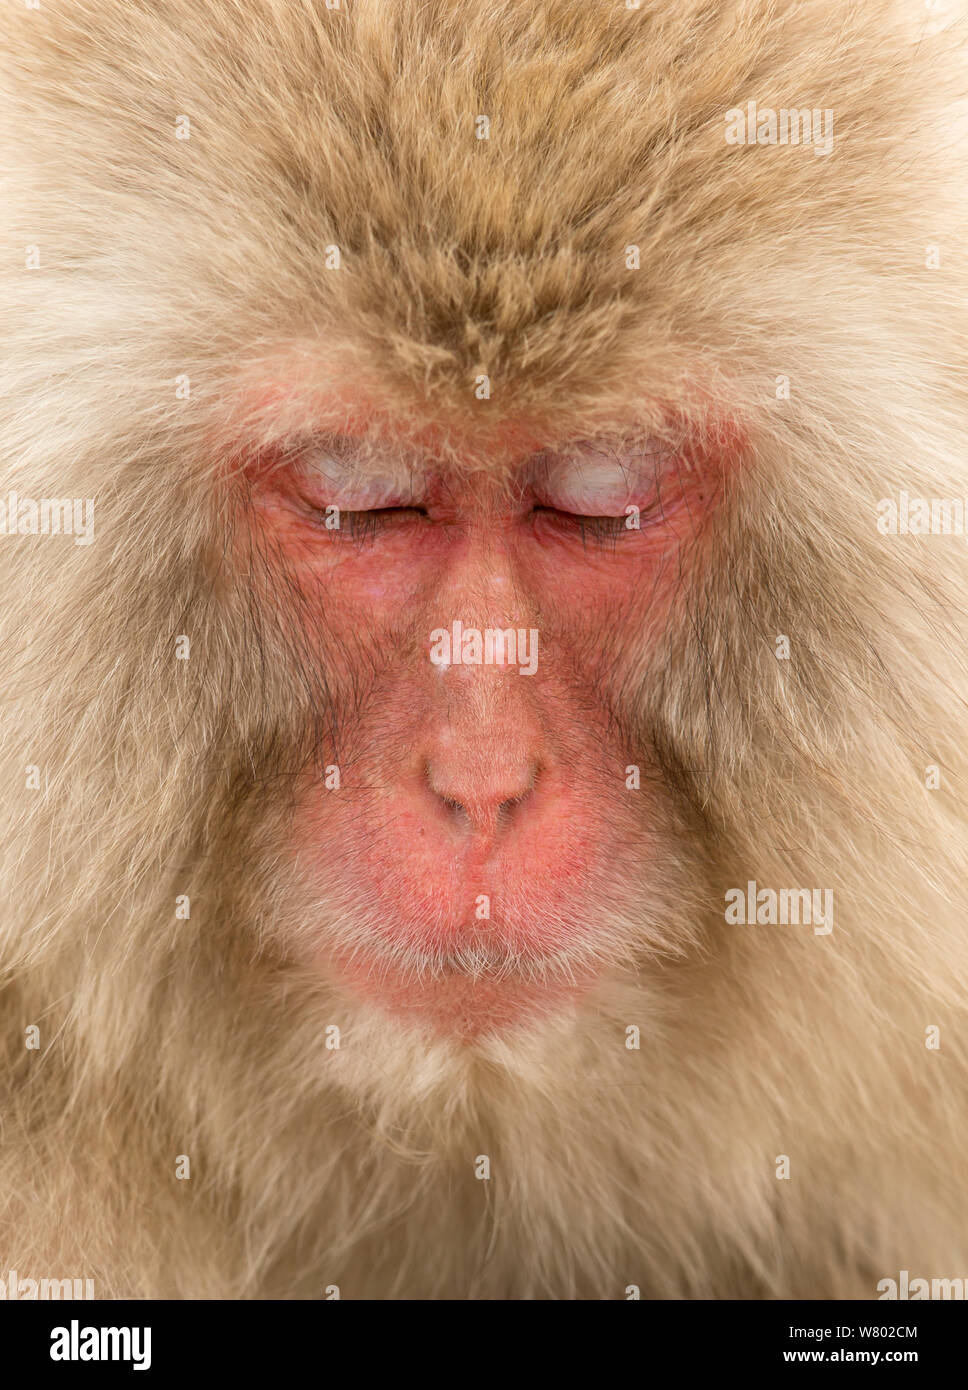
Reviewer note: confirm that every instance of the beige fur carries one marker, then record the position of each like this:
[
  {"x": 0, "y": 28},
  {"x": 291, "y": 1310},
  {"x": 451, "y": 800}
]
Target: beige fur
[{"x": 162, "y": 1037}]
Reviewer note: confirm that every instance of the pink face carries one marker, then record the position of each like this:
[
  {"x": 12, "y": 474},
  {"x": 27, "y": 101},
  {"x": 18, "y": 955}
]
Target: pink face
[{"x": 470, "y": 623}]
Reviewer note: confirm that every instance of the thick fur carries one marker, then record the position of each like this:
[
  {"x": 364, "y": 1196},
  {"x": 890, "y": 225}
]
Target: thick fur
[{"x": 310, "y": 127}]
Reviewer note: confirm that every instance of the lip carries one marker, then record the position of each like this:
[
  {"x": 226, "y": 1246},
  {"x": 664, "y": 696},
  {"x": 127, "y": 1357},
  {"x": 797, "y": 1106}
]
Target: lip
[
  {"x": 460, "y": 977},
  {"x": 455, "y": 1003},
  {"x": 480, "y": 894}
]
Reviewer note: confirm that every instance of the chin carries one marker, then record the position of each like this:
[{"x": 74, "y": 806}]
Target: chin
[{"x": 456, "y": 1000}]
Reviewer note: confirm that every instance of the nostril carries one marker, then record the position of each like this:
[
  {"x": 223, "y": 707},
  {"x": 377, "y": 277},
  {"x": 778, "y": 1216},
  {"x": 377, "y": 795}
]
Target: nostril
[
  {"x": 482, "y": 816},
  {"x": 458, "y": 813},
  {"x": 506, "y": 810}
]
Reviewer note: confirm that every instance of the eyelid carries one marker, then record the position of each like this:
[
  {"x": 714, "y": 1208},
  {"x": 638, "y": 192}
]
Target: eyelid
[
  {"x": 602, "y": 481},
  {"x": 351, "y": 483}
]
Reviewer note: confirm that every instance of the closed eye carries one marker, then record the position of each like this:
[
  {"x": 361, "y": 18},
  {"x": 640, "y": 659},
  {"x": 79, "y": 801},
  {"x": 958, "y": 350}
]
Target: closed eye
[
  {"x": 604, "y": 482},
  {"x": 354, "y": 491},
  {"x": 363, "y": 525},
  {"x": 599, "y": 527}
]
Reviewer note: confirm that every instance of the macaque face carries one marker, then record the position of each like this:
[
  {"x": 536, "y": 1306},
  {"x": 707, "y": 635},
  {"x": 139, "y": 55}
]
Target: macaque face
[
  {"x": 379, "y": 780},
  {"x": 465, "y": 828}
]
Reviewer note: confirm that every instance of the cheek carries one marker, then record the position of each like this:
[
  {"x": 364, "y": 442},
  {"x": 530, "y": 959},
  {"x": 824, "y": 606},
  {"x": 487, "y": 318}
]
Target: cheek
[{"x": 324, "y": 585}]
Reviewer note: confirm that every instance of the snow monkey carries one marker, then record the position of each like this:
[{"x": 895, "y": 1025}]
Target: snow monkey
[{"x": 483, "y": 648}]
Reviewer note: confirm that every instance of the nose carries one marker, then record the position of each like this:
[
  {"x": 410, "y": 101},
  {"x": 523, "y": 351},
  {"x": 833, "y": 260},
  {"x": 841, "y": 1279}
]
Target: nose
[
  {"x": 482, "y": 790},
  {"x": 483, "y": 749}
]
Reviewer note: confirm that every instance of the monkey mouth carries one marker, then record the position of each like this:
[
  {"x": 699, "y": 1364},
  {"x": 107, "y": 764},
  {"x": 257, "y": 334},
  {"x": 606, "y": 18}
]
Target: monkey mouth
[
  {"x": 463, "y": 995},
  {"x": 472, "y": 960},
  {"x": 462, "y": 982},
  {"x": 471, "y": 941}
]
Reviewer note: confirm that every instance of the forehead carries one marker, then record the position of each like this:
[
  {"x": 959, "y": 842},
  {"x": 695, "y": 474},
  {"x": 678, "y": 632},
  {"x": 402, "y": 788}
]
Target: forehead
[
  {"x": 593, "y": 249},
  {"x": 433, "y": 196}
]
